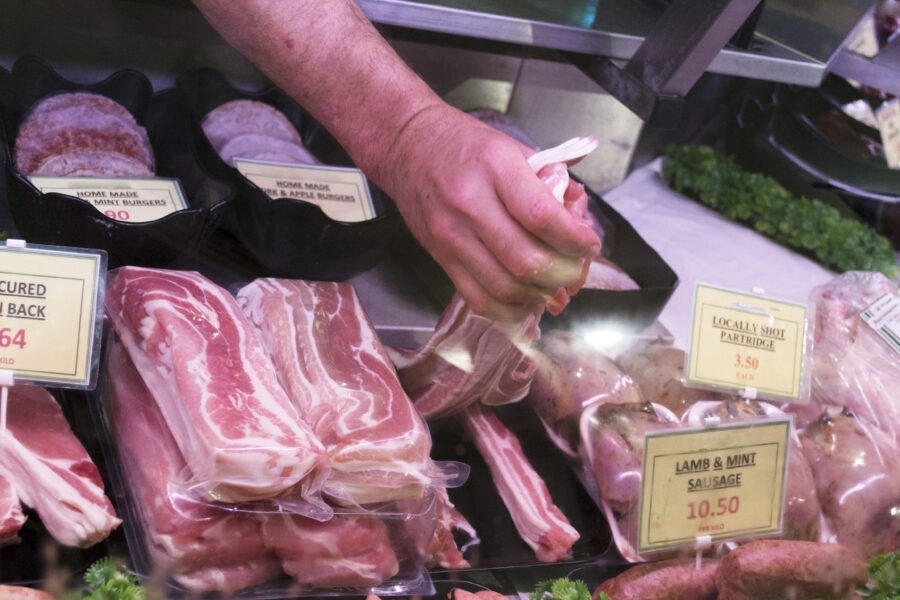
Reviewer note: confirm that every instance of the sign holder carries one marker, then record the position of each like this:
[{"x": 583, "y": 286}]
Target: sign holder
[{"x": 59, "y": 356}]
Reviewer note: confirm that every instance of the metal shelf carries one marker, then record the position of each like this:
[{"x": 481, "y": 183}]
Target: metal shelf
[{"x": 792, "y": 44}]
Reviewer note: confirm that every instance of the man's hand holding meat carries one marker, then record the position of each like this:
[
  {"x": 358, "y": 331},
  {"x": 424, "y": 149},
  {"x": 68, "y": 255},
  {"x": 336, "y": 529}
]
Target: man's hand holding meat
[
  {"x": 465, "y": 190},
  {"x": 469, "y": 196}
]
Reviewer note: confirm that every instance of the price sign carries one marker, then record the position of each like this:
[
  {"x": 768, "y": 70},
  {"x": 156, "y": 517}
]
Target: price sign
[
  {"x": 724, "y": 482},
  {"x": 888, "y": 115},
  {"x": 883, "y": 316},
  {"x": 50, "y": 300},
  {"x": 341, "y": 193},
  {"x": 130, "y": 200},
  {"x": 741, "y": 341}
]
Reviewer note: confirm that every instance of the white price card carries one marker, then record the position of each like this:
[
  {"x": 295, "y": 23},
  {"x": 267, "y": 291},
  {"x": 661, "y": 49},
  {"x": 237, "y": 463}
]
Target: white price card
[
  {"x": 883, "y": 316},
  {"x": 342, "y": 193},
  {"x": 128, "y": 200},
  {"x": 742, "y": 341},
  {"x": 724, "y": 482},
  {"x": 51, "y": 301},
  {"x": 888, "y": 115}
]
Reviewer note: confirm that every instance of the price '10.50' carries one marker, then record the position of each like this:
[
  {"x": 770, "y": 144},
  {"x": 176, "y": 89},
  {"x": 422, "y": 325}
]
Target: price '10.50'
[
  {"x": 8, "y": 338},
  {"x": 704, "y": 509}
]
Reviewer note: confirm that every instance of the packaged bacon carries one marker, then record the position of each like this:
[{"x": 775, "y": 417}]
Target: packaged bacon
[
  {"x": 241, "y": 436},
  {"x": 339, "y": 378},
  {"x": 183, "y": 544}
]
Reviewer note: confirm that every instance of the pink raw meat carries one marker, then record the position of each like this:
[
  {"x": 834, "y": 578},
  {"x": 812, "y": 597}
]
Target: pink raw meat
[
  {"x": 11, "y": 517},
  {"x": 345, "y": 551},
  {"x": 336, "y": 371},
  {"x": 51, "y": 471},
  {"x": 205, "y": 546},
  {"x": 442, "y": 551},
  {"x": 468, "y": 359},
  {"x": 852, "y": 365},
  {"x": 214, "y": 384},
  {"x": 540, "y": 523}
]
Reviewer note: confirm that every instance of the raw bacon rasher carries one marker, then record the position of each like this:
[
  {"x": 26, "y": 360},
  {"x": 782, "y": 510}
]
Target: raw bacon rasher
[
  {"x": 337, "y": 373},
  {"x": 11, "y": 516},
  {"x": 204, "y": 546},
  {"x": 51, "y": 471},
  {"x": 214, "y": 384},
  {"x": 539, "y": 522}
]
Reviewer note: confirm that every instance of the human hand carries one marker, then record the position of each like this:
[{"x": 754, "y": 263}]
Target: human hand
[{"x": 470, "y": 197}]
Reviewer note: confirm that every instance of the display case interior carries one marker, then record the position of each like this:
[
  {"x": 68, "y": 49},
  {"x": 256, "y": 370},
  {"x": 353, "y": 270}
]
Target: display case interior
[
  {"x": 64, "y": 220},
  {"x": 289, "y": 237}
]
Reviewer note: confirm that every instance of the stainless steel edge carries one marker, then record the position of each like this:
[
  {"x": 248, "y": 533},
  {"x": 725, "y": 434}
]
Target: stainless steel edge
[{"x": 768, "y": 61}]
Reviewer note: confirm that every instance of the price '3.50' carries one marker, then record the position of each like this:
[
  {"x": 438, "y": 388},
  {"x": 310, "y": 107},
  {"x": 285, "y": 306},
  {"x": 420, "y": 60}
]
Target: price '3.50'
[{"x": 10, "y": 338}]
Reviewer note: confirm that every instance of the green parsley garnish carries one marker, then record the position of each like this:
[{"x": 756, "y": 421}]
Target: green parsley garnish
[
  {"x": 884, "y": 578},
  {"x": 107, "y": 582},
  {"x": 562, "y": 589},
  {"x": 808, "y": 226}
]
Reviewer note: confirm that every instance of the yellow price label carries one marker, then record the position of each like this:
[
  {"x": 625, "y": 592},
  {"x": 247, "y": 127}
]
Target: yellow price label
[
  {"x": 128, "y": 200},
  {"x": 744, "y": 341},
  {"x": 723, "y": 482},
  {"x": 341, "y": 193},
  {"x": 48, "y": 307}
]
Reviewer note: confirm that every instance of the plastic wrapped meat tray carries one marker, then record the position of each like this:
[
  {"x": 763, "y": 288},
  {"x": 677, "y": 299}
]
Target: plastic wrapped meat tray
[
  {"x": 64, "y": 220},
  {"x": 285, "y": 236},
  {"x": 186, "y": 544}
]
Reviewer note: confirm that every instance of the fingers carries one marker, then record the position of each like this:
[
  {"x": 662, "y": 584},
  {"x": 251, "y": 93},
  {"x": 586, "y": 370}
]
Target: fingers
[
  {"x": 477, "y": 272},
  {"x": 532, "y": 205},
  {"x": 483, "y": 303}
]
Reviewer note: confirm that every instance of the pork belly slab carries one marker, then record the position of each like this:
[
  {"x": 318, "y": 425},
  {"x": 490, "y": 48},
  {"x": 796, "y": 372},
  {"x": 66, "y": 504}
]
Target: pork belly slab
[
  {"x": 214, "y": 384},
  {"x": 51, "y": 471},
  {"x": 205, "y": 546},
  {"x": 339, "y": 376},
  {"x": 345, "y": 551}
]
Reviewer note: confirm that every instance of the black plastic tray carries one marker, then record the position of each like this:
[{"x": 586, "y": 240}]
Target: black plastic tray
[
  {"x": 771, "y": 137},
  {"x": 59, "y": 219},
  {"x": 628, "y": 310},
  {"x": 285, "y": 236}
]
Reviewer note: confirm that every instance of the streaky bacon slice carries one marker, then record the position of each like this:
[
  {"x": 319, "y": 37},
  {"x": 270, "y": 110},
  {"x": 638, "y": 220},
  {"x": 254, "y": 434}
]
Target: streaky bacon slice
[
  {"x": 11, "y": 516},
  {"x": 216, "y": 387},
  {"x": 205, "y": 546},
  {"x": 468, "y": 359},
  {"x": 345, "y": 551},
  {"x": 51, "y": 471},
  {"x": 539, "y": 522},
  {"x": 334, "y": 368},
  {"x": 443, "y": 551}
]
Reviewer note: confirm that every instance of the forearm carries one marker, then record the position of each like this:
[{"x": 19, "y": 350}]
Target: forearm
[{"x": 330, "y": 58}]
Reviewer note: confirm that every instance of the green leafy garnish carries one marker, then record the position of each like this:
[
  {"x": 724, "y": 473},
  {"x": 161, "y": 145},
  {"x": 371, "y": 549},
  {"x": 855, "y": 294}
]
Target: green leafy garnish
[
  {"x": 561, "y": 589},
  {"x": 884, "y": 578},
  {"x": 107, "y": 582},
  {"x": 809, "y": 226},
  {"x": 3, "y": 236}
]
